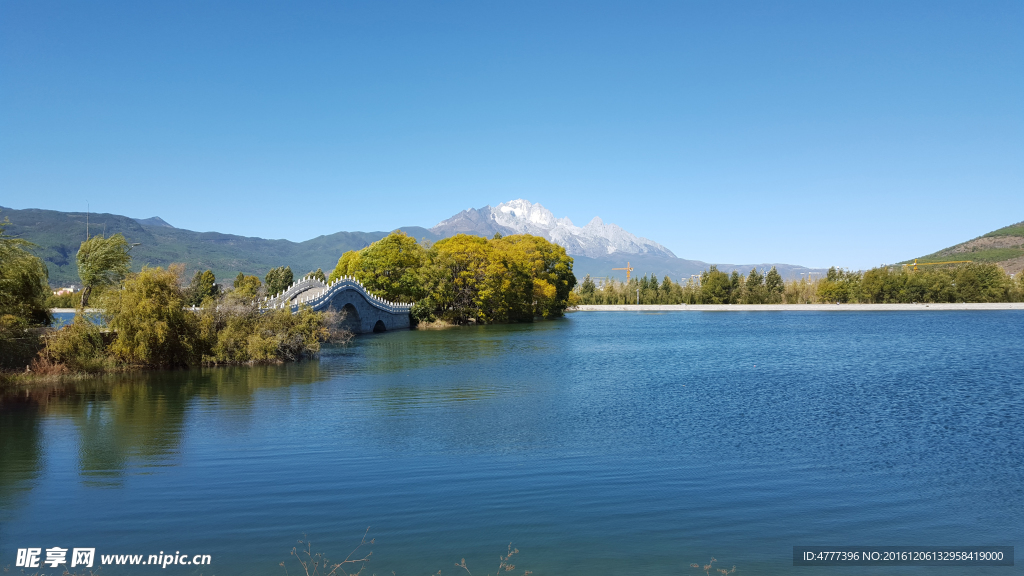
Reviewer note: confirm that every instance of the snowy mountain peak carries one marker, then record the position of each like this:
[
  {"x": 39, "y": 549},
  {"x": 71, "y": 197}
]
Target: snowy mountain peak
[
  {"x": 594, "y": 240},
  {"x": 507, "y": 213}
]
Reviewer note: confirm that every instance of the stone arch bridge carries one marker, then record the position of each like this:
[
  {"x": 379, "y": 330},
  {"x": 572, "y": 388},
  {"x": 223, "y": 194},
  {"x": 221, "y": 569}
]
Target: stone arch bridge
[{"x": 364, "y": 312}]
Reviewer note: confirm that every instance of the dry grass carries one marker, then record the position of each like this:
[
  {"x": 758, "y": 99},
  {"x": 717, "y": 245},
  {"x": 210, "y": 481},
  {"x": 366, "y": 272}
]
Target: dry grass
[
  {"x": 337, "y": 332},
  {"x": 41, "y": 375},
  {"x": 435, "y": 325},
  {"x": 504, "y": 563},
  {"x": 44, "y": 366},
  {"x": 317, "y": 564},
  {"x": 707, "y": 567},
  {"x": 310, "y": 563}
]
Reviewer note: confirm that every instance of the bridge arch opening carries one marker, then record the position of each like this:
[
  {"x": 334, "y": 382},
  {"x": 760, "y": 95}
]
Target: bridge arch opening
[
  {"x": 379, "y": 327},
  {"x": 350, "y": 318}
]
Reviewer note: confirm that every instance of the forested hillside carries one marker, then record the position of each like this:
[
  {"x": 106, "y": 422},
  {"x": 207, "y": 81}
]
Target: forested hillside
[
  {"x": 59, "y": 234},
  {"x": 1004, "y": 247}
]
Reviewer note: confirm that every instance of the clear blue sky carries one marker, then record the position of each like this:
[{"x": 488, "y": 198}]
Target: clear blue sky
[{"x": 814, "y": 133}]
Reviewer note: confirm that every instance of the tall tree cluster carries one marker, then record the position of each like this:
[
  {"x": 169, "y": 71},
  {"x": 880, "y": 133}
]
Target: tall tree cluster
[
  {"x": 972, "y": 282},
  {"x": 102, "y": 262},
  {"x": 278, "y": 280},
  {"x": 713, "y": 286},
  {"x": 202, "y": 286},
  {"x": 23, "y": 292},
  {"x": 151, "y": 326},
  {"x": 23, "y": 281},
  {"x": 466, "y": 278}
]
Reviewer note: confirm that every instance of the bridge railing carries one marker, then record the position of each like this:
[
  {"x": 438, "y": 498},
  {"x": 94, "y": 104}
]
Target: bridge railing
[
  {"x": 320, "y": 299},
  {"x": 289, "y": 293}
]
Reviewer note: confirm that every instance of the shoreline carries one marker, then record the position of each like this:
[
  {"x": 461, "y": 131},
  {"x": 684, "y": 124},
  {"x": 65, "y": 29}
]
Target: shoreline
[
  {"x": 796, "y": 307},
  {"x": 755, "y": 307}
]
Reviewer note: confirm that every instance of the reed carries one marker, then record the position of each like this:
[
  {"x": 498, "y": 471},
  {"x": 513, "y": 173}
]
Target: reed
[
  {"x": 308, "y": 562},
  {"x": 707, "y": 567},
  {"x": 312, "y": 563},
  {"x": 504, "y": 563}
]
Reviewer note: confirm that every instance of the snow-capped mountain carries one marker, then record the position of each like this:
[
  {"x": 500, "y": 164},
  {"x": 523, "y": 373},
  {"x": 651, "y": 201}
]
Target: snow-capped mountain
[{"x": 595, "y": 240}]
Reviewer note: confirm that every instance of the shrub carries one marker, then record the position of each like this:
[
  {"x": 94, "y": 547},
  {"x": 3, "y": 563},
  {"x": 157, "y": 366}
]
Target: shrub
[
  {"x": 23, "y": 281},
  {"x": 247, "y": 287},
  {"x": 203, "y": 286},
  {"x": 278, "y": 280},
  {"x": 67, "y": 300},
  {"x": 102, "y": 262},
  {"x": 18, "y": 344},
  {"x": 153, "y": 328},
  {"x": 245, "y": 335},
  {"x": 78, "y": 347}
]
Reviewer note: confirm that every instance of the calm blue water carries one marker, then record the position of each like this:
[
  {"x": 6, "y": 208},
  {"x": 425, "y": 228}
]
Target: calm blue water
[
  {"x": 604, "y": 443},
  {"x": 62, "y": 318}
]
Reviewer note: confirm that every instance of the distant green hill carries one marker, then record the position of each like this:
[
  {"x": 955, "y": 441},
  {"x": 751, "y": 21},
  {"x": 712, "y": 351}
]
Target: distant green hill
[
  {"x": 1004, "y": 247},
  {"x": 59, "y": 234}
]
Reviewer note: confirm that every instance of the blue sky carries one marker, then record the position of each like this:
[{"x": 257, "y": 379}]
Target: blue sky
[{"x": 814, "y": 133}]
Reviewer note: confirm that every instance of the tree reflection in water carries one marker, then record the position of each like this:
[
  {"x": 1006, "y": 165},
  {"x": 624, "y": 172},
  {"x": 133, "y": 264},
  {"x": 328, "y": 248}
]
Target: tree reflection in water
[{"x": 125, "y": 421}]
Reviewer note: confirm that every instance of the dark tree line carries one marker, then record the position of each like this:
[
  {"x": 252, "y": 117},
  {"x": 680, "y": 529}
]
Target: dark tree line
[
  {"x": 711, "y": 287},
  {"x": 971, "y": 282}
]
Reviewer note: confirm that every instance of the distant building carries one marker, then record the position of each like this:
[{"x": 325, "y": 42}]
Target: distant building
[{"x": 63, "y": 291}]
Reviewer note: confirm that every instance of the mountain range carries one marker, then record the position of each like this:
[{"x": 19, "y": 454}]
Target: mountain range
[
  {"x": 595, "y": 240},
  {"x": 597, "y": 248}
]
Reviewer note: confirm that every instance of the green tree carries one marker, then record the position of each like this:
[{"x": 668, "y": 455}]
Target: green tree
[
  {"x": 587, "y": 289},
  {"x": 549, "y": 267},
  {"x": 978, "y": 282},
  {"x": 390, "y": 267},
  {"x": 23, "y": 293},
  {"x": 248, "y": 335},
  {"x": 152, "y": 325},
  {"x": 246, "y": 287},
  {"x": 319, "y": 275},
  {"x": 23, "y": 281},
  {"x": 347, "y": 266},
  {"x": 466, "y": 278},
  {"x": 1017, "y": 289},
  {"x": 279, "y": 279},
  {"x": 671, "y": 293},
  {"x": 735, "y": 287},
  {"x": 454, "y": 276},
  {"x": 78, "y": 346},
  {"x": 102, "y": 262},
  {"x": 754, "y": 291},
  {"x": 202, "y": 286},
  {"x": 843, "y": 286},
  {"x": 507, "y": 291},
  {"x": 714, "y": 286},
  {"x": 774, "y": 286},
  {"x": 18, "y": 344}
]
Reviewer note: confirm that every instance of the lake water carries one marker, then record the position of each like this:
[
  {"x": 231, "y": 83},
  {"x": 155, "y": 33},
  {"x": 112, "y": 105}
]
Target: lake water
[{"x": 603, "y": 443}]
